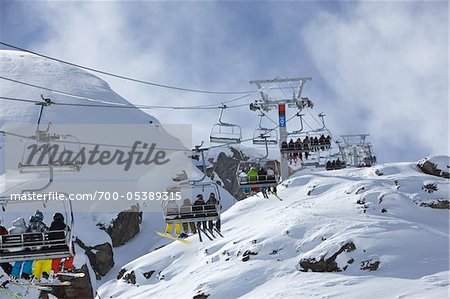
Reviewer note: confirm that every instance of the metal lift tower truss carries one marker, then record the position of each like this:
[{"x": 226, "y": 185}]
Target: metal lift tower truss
[{"x": 281, "y": 100}]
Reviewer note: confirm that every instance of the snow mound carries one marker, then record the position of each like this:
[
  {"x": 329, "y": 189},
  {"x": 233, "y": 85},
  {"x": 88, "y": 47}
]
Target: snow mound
[
  {"x": 365, "y": 224},
  {"x": 53, "y": 75}
]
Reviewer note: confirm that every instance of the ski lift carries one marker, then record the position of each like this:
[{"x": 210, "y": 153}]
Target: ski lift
[
  {"x": 189, "y": 212},
  {"x": 40, "y": 245},
  {"x": 311, "y": 147},
  {"x": 222, "y": 132},
  {"x": 308, "y": 141},
  {"x": 43, "y": 139},
  {"x": 263, "y": 135},
  {"x": 356, "y": 151},
  {"x": 259, "y": 173},
  {"x": 249, "y": 174}
]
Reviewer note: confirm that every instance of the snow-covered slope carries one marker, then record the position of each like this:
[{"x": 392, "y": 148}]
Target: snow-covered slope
[
  {"x": 360, "y": 218},
  {"x": 38, "y": 71}
]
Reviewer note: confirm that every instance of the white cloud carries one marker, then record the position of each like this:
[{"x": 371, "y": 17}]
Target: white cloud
[
  {"x": 377, "y": 67},
  {"x": 388, "y": 63}
]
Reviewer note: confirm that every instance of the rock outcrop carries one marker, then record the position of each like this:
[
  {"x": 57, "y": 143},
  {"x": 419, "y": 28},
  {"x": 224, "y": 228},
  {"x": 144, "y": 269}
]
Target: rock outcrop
[
  {"x": 326, "y": 265},
  {"x": 100, "y": 256},
  {"x": 226, "y": 168},
  {"x": 125, "y": 227},
  {"x": 431, "y": 168},
  {"x": 79, "y": 287}
]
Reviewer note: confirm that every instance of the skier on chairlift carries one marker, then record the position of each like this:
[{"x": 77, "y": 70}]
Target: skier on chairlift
[
  {"x": 199, "y": 203},
  {"x": 59, "y": 225},
  {"x": 212, "y": 200},
  {"x": 186, "y": 207},
  {"x": 40, "y": 267},
  {"x": 19, "y": 227}
]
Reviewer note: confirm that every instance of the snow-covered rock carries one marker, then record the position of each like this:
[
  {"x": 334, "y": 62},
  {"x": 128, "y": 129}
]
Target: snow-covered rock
[{"x": 436, "y": 165}]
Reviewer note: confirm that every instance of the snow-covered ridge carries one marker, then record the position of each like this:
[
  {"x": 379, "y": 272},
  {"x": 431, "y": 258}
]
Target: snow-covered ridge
[
  {"x": 378, "y": 210},
  {"x": 53, "y": 75}
]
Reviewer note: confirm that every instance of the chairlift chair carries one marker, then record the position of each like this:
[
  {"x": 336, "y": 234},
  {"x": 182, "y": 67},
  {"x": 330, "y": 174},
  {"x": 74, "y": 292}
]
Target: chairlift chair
[
  {"x": 192, "y": 213},
  {"x": 39, "y": 245},
  {"x": 260, "y": 181},
  {"x": 222, "y": 132},
  {"x": 262, "y": 135},
  {"x": 44, "y": 138}
]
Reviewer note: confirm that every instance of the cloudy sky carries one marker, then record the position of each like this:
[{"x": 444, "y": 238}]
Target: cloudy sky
[{"x": 376, "y": 67}]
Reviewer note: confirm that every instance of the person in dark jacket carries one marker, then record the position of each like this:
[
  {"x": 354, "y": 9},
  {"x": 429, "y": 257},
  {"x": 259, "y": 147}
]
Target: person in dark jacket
[
  {"x": 198, "y": 206},
  {"x": 262, "y": 176},
  {"x": 59, "y": 225},
  {"x": 291, "y": 144},
  {"x": 40, "y": 267},
  {"x": 212, "y": 200},
  {"x": 3, "y": 230},
  {"x": 338, "y": 164},
  {"x": 5, "y": 266}
]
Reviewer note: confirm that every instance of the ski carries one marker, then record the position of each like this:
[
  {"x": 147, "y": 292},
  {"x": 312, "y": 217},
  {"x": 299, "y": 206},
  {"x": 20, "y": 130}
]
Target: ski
[
  {"x": 54, "y": 283},
  {"x": 10, "y": 294},
  {"x": 173, "y": 238},
  {"x": 28, "y": 284},
  {"x": 68, "y": 274},
  {"x": 276, "y": 195},
  {"x": 206, "y": 234},
  {"x": 217, "y": 231},
  {"x": 199, "y": 235},
  {"x": 211, "y": 232}
]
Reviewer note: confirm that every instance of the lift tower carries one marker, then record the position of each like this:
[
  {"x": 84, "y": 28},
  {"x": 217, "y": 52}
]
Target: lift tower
[{"x": 281, "y": 101}]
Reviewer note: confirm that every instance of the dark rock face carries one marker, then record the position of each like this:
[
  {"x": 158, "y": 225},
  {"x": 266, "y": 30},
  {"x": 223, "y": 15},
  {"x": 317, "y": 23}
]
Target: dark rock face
[
  {"x": 125, "y": 227},
  {"x": 79, "y": 287},
  {"x": 439, "y": 204},
  {"x": 130, "y": 278},
  {"x": 431, "y": 169},
  {"x": 201, "y": 296},
  {"x": 326, "y": 265},
  {"x": 226, "y": 168},
  {"x": 369, "y": 265},
  {"x": 247, "y": 254},
  {"x": 100, "y": 256}
]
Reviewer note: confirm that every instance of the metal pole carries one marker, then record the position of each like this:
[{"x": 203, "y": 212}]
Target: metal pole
[{"x": 283, "y": 137}]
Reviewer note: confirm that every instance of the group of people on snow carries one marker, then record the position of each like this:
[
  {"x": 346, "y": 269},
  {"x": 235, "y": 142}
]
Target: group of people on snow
[
  {"x": 198, "y": 208},
  {"x": 260, "y": 176},
  {"x": 43, "y": 267}
]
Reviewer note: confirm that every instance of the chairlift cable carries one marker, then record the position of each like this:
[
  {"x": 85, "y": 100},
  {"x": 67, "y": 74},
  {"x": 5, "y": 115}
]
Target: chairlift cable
[
  {"x": 92, "y": 143},
  {"x": 122, "y": 76},
  {"x": 64, "y": 93},
  {"x": 128, "y": 106}
]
